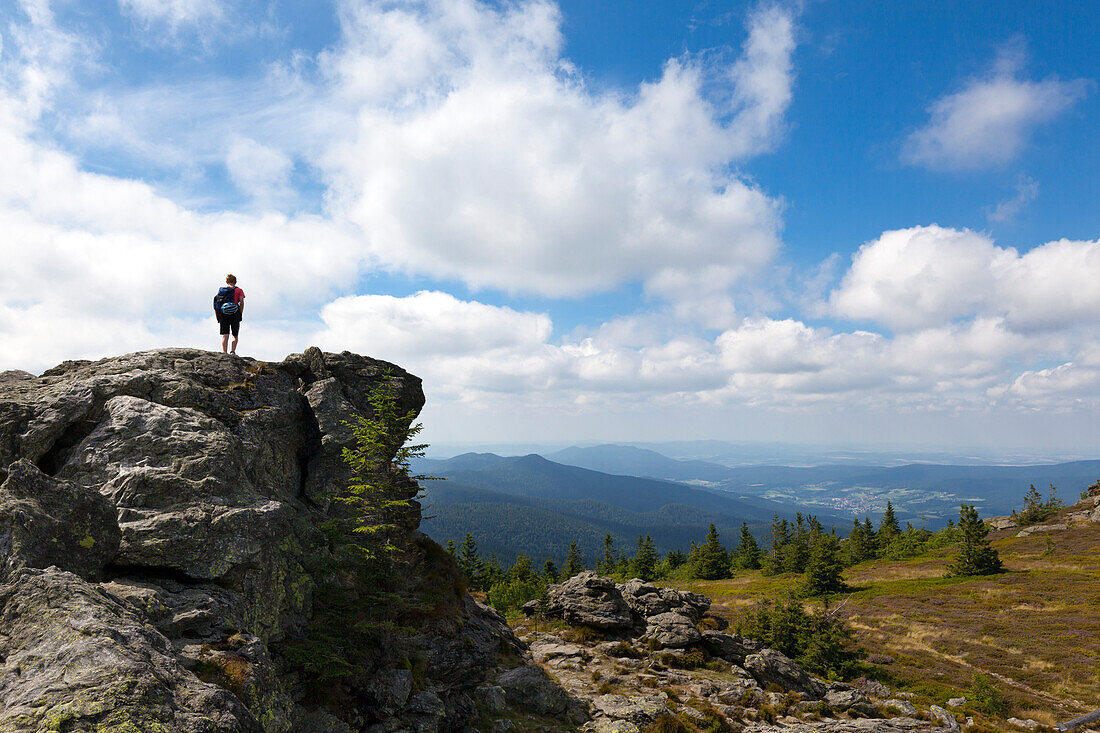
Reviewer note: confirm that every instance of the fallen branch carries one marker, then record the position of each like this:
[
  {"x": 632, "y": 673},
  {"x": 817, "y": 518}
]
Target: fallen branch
[
  {"x": 836, "y": 610},
  {"x": 1078, "y": 722}
]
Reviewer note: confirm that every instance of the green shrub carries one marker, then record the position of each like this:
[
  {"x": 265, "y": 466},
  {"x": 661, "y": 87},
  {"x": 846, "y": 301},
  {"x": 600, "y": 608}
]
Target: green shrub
[
  {"x": 987, "y": 696},
  {"x": 623, "y": 649},
  {"x": 668, "y": 724},
  {"x": 713, "y": 721},
  {"x": 1035, "y": 509},
  {"x": 820, "y": 640}
]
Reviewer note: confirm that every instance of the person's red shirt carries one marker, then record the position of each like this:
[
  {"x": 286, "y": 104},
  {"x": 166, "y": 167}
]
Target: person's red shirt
[{"x": 238, "y": 295}]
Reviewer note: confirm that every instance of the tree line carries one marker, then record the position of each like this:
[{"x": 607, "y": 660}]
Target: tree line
[{"x": 803, "y": 546}]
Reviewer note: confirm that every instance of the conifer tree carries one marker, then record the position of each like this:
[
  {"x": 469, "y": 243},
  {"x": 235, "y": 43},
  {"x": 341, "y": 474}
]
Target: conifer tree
[
  {"x": 861, "y": 543},
  {"x": 1035, "y": 509},
  {"x": 574, "y": 563},
  {"x": 888, "y": 528},
  {"x": 471, "y": 564},
  {"x": 492, "y": 571},
  {"x": 606, "y": 564},
  {"x": 674, "y": 559},
  {"x": 1033, "y": 499},
  {"x": 382, "y": 486},
  {"x": 522, "y": 569},
  {"x": 798, "y": 550},
  {"x": 748, "y": 552},
  {"x": 871, "y": 536},
  {"x": 774, "y": 561},
  {"x": 975, "y": 557},
  {"x": 450, "y": 548},
  {"x": 550, "y": 571},
  {"x": 712, "y": 562},
  {"x": 823, "y": 568},
  {"x": 645, "y": 562}
]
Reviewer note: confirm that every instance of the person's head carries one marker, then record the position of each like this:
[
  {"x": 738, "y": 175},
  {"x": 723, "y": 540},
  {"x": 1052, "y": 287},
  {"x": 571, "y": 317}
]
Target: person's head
[{"x": 230, "y": 279}]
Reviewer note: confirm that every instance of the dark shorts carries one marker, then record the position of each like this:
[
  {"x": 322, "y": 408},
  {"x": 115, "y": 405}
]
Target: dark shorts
[{"x": 229, "y": 324}]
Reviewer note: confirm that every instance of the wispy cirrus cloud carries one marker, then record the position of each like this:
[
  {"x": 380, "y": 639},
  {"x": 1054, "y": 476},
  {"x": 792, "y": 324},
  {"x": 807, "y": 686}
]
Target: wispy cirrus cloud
[
  {"x": 175, "y": 13},
  {"x": 1027, "y": 190}
]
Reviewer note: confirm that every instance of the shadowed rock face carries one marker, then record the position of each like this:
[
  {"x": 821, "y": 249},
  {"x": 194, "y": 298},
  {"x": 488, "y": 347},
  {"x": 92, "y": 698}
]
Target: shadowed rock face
[{"x": 158, "y": 514}]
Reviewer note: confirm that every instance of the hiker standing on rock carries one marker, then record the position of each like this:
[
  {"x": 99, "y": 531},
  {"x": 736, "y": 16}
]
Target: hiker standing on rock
[{"x": 229, "y": 309}]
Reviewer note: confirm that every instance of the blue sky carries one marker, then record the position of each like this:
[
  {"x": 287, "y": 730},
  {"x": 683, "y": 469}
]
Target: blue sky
[{"x": 828, "y": 222}]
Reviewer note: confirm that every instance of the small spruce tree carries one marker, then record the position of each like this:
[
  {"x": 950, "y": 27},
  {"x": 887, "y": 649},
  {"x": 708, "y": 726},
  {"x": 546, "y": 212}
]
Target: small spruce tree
[
  {"x": 645, "y": 562},
  {"x": 493, "y": 571},
  {"x": 471, "y": 564},
  {"x": 712, "y": 562},
  {"x": 888, "y": 528},
  {"x": 610, "y": 559},
  {"x": 798, "y": 551},
  {"x": 975, "y": 556},
  {"x": 550, "y": 571},
  {"x": 823, "y": 568},
  {"x": 748, "y": 552},
  {"x": 380, "y": 495},
  {"x": 574, "y": 563},
  {"x": 673, "y": 560},
  {"x": 775, "y": 560}
]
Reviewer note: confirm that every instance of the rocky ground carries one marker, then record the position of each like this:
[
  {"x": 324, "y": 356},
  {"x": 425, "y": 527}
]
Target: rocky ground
[
  {"x": 159, "y": 539},
  {"x": 637, "y": 654}
]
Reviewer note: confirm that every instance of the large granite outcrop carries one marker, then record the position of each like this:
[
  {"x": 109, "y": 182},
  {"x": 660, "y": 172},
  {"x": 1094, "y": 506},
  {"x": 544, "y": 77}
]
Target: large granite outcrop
[
  {"x": 587, "y": 599},
  {"x": 159, "y": 531}
]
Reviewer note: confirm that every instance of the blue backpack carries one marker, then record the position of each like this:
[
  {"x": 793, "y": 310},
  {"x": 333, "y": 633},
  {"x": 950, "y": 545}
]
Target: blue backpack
[{"x": 223, "y": 301}]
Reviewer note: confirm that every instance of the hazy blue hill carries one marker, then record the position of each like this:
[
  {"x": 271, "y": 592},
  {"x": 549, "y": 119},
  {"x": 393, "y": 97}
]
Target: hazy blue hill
[
  {"x": 533, "y": 505},
  {"x": 918, "y": 490},
  {"x": 510, "y": 525},
  {"x": 535, "y": 476},
  {"x": 633, "y": 461}
]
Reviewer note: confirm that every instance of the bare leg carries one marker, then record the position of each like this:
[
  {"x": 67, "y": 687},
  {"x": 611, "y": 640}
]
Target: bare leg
[
  {"x": 225, "y": 343},
  {"x": 233, "y": 347}
]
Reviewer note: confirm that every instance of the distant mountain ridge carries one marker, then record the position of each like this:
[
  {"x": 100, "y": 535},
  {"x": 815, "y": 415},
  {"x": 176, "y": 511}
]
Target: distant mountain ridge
[
  {"x": 633, "y": 461},
  {"x": 536, "y": 506},
  {"x": 932, "y": 490}
]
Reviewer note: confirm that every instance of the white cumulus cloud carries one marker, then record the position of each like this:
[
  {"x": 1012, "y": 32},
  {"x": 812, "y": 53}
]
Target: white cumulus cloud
[
  {"x": 922, "y": 277},
  {"x": 989, "y": 121},
  {"x": 480, "y": 154}
]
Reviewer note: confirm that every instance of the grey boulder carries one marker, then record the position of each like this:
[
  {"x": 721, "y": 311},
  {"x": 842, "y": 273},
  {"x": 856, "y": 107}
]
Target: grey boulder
[
  {"x": 769, "y": 666},
  {"x": 646, "y": 600},
  {"x": 46, "y": 522},
  {"x": 637, "y": 709},
  {"x": 729, "y": 647},
  {"x": 672, "y": 630},
  {"x": 589, "y": 600}
]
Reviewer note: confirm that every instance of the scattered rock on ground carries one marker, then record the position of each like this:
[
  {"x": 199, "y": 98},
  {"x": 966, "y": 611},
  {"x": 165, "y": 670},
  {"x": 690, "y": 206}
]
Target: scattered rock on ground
[
  {"x": 672, "y": 630},
  {"x": 771, "y": 667}
]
